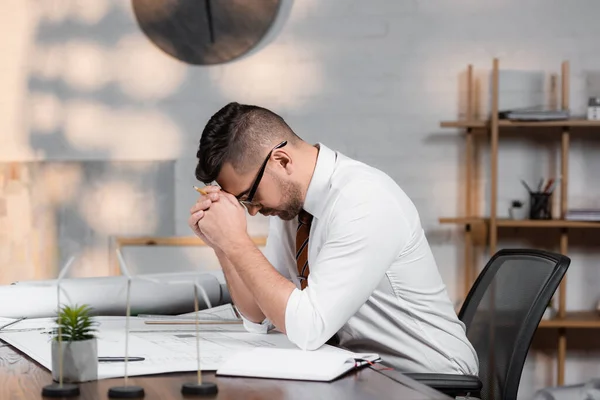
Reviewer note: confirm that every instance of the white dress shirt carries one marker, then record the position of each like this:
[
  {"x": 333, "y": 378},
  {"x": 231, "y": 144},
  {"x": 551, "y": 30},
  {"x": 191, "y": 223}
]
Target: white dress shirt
[{"x": 373, "y": 280}]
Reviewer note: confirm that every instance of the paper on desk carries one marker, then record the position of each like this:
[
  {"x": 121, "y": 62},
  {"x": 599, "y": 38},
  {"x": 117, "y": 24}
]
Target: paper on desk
[
  {"x": 224, "y": 312},
  {"x": 5, "y": 321},
  {"x": 165, "y": 348}
]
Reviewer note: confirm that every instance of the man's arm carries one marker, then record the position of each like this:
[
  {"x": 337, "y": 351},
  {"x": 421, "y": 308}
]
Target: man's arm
[
  {"x": 268, "y": 287},
  {"x": 241, "y": 296},
  {"x": 363, "y": 240}
]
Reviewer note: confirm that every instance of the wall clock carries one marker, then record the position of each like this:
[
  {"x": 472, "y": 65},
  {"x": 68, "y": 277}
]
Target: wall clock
[{"x": 205, "y": 32}]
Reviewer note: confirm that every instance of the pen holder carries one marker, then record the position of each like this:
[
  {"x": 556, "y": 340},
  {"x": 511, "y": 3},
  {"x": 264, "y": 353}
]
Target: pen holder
[{"x": 540, "y": 205}]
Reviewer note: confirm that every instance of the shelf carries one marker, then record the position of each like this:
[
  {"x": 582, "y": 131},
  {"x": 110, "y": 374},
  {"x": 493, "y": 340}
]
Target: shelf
[
  {"x": 463, "y": 220},
  {"x": 464, "y": 124},
  {"x": 576, "y": 319},
  {"x": 533, "y": 124},
  {"x": 527, "y": 223}
]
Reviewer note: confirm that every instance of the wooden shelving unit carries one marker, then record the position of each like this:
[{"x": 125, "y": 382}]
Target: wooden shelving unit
[
  {"x": 475, "y": 124},
  {"x": 527, "y": 223},
  {"x": 478, "y": 229}
]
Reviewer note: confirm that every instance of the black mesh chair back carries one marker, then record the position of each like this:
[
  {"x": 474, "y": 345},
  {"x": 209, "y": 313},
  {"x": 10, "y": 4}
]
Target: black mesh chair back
[{"x": 502, "y": 312}]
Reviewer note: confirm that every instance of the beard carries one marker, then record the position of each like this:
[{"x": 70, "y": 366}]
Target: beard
[{"x": 292, "y": 201}]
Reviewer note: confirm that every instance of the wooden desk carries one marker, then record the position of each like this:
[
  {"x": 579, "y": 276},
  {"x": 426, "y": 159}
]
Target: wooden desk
[{"x": 21, "y": 378}]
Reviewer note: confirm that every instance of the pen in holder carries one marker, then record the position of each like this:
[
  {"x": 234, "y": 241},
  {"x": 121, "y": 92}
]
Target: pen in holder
[{"x": 540, "y": 205}]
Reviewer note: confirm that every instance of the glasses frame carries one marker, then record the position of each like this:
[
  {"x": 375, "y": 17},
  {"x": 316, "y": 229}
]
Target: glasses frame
[{"x": 252, "y": 191}]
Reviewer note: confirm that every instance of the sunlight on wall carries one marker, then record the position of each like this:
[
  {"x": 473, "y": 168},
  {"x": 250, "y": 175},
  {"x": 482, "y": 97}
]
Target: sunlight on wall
[
  {"x": 303, "y": 9},
  {"x": 85, "y": 11},
  {"x": 145, "y": 134},
  {"x": 117, "y": 207},
  {"x": 17, "y": 28},
  {"x": 60, "y": 182},
  {"x": 46, "y": 112},
  {"x": 135, "y": 65},
  {"x": 87, "y": 125},
  {"x": 89, "y": 12},
  {"x": 54, "y": 11},
  {"x": 47, "y": 61},
  {"x": 143, "y": 72},
  {"x": 125, "y": 133},
  {"x": 262, "y": 79},
  {"x": 91, "y": 262},
  {"x": 86, "y": 65}
]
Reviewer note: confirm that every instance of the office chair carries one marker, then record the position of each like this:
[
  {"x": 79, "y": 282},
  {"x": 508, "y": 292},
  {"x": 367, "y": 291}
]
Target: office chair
[{"x": 501, "y": 313}]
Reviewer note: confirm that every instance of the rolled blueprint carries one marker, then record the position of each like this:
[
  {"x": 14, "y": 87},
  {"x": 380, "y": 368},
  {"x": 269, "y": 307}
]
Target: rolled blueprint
[{"x": 108, "y": 295}]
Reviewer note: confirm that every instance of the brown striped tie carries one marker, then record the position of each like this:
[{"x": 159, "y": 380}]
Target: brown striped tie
[{"x": 304, "y": 221}]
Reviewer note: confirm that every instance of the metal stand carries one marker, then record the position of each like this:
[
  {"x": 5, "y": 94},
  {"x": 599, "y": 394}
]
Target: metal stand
[
  {"x": 61, "y": 389},
  {"x": 198, "y": 388},
  {"x": 126, "y": 391}
]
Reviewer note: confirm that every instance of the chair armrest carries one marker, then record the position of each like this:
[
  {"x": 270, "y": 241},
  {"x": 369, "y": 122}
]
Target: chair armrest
[{"x": 448, "y": 383}]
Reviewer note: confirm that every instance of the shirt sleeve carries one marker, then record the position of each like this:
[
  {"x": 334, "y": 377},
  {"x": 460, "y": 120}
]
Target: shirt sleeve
[
  {"x": 253, "y": 327},
  {"x": 365, "y": 234}
]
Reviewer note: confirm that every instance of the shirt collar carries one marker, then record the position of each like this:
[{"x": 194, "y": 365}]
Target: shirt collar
[{"x": 318, "y": 187}]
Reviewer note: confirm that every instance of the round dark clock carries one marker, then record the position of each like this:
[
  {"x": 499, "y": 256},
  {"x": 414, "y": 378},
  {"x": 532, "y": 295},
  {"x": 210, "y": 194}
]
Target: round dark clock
[{"x": 205, "y": 32}]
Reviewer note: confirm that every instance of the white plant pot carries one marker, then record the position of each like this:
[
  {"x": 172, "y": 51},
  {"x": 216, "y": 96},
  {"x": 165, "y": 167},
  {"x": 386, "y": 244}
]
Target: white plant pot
[
  {"x": 517, "y": 213},
  {"x": 80, "y": 361}
]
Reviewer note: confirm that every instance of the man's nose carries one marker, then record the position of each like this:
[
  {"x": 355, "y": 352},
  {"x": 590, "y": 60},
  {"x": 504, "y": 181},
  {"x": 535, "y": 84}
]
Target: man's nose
[{"x": 253, "y": 210}]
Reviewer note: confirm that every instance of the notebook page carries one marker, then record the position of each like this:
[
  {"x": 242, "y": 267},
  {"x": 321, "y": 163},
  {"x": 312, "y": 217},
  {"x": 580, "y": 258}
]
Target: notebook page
[{"x": 324, "y": 364}]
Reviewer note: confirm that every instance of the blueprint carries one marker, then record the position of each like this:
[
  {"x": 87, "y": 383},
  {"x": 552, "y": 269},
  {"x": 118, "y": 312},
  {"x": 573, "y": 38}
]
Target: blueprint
[{"x": 165, "y": 348}]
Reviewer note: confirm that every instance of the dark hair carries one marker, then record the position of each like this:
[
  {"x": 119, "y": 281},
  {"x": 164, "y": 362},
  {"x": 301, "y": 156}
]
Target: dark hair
[{"x": 241, "y": 135}]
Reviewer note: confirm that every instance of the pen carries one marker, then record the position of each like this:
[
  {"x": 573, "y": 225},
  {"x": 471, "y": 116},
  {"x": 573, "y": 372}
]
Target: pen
[
  {"x": 12, "y": 323},
  {"x": 193, "y": 322},
  {"x": 549, "y": 185},
  {"x": 200, "y": 190},
  {"x": 119, "y": 359},
  {"x": 526, "y": 186},
  {"x": 551, "y": 188}
]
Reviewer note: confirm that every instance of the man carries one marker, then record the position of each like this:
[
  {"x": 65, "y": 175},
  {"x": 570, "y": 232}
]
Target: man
[{"x": 346, "y": 258}]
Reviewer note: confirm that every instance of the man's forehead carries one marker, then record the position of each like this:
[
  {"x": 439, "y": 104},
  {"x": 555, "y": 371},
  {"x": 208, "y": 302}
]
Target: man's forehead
[{"x": 232, "y": 182}]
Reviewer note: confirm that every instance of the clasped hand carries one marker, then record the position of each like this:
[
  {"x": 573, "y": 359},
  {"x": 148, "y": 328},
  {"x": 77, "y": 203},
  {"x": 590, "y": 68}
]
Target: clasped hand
[{"x": 218, "y": 219}]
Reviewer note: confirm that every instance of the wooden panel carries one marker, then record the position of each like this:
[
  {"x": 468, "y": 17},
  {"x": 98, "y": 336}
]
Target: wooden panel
[
  {"x": 562, "y": 357},
  {"x": 550, "y": 223},
  {"x": 573, "y": 123},
  {"x": 494, "y": 157},
  {"x": 171, "y": 241},
  {"x": 552, "y": 124},
  {"x": 464, "y": 124},
  {"x": 574, "y": 319},
  {"x": 527, "y": 223}
]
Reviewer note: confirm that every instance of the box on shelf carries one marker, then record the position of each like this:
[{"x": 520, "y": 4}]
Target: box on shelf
[{"x": 593, "y": 111}]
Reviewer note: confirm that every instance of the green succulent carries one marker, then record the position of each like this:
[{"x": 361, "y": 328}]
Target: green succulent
[{"x": 75, "y": 323}]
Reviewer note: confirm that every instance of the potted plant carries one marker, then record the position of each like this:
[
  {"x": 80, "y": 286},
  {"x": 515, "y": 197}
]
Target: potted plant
[
  {"x": 516, "y": 210},
  {"x": 75, "y": 336}
]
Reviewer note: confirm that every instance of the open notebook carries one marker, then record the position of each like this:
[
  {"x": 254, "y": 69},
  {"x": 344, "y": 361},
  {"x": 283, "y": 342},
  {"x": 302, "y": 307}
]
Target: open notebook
[{"x": 324, "y": 364}]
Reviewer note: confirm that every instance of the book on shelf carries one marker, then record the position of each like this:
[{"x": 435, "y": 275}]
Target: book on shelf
[
  {"x": 583, "y": 214},
  {"x": 539, "y": 113}
]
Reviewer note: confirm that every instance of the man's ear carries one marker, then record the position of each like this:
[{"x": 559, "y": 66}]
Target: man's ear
[{"x": 283, "y": 160}]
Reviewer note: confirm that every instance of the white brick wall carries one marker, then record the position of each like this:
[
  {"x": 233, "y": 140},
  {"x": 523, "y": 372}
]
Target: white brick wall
[{"x": 370, "y": 78}]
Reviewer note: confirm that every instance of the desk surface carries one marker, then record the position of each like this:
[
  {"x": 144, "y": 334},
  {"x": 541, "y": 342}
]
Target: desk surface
[{"x": 22, "y": 378}]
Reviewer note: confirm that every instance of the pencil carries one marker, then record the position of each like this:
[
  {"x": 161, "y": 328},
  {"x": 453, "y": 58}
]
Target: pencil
[
  {"x": 200, "y": 190},
  {"x": 193, "y": 322}
]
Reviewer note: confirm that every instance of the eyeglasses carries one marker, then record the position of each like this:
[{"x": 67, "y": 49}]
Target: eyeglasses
[{"x": 252, "y": 191}]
